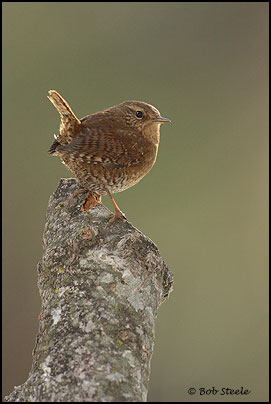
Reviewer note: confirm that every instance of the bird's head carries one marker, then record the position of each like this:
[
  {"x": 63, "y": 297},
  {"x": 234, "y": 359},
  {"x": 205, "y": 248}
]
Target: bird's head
[{"x": 139, "y": 115}]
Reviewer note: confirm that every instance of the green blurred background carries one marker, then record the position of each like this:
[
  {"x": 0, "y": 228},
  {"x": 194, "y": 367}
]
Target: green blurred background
[{"x": 205, "y": 203}]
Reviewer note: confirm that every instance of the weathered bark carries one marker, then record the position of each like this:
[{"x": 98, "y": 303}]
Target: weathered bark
[{"x": 100, "y": 288}]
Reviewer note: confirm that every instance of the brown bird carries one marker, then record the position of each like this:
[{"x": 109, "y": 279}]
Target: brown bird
[{"x": 108, "y": 151}]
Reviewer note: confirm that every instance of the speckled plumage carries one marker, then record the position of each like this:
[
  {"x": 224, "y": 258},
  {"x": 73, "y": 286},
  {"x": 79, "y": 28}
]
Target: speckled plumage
[{"x": 111, "y": 150}]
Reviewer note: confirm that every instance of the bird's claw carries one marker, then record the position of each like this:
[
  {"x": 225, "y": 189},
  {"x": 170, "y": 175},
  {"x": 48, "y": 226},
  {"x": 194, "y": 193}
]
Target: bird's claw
[{"x": 118, "y": 215}]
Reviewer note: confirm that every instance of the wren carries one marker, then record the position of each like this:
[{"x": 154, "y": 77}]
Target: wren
[{"x": 108, "y": 151}]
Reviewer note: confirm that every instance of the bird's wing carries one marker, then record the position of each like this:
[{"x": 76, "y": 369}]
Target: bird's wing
[{"x": 111, "y": 148}]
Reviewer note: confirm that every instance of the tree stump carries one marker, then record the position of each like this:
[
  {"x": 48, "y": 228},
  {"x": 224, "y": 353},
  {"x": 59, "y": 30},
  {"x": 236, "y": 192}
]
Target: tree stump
[{"x": 100, "y": 288}]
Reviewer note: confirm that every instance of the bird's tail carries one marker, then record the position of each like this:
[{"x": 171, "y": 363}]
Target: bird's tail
[
  {"x": 70, "y": 124},
  {"x": 61, "y": 105}
]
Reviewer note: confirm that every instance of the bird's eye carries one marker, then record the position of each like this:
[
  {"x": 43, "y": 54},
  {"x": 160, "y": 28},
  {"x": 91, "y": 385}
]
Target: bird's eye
[{"x": 139, "y": 114}]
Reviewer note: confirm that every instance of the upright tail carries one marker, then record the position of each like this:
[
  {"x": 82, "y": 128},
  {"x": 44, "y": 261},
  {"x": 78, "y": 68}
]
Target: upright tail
[{"x": 70, "y": 124}]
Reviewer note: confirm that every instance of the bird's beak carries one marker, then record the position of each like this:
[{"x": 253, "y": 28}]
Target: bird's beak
[{"x": 160, "y": 119}]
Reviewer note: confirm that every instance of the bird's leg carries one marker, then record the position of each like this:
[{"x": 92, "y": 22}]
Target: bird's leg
[
  {"x": 118, "y": 213},
  {"x": 92, "y": 199},
  {"x": 80, "y": 191},
  {"x": 97, "y": 196}
]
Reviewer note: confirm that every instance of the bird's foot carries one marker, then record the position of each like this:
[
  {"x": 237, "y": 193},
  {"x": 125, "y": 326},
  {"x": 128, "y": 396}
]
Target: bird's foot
[
  {"x": 80, "y": 191},
  {"x": 118, "y": 215},
  {"x": 92, "y": 199}
]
